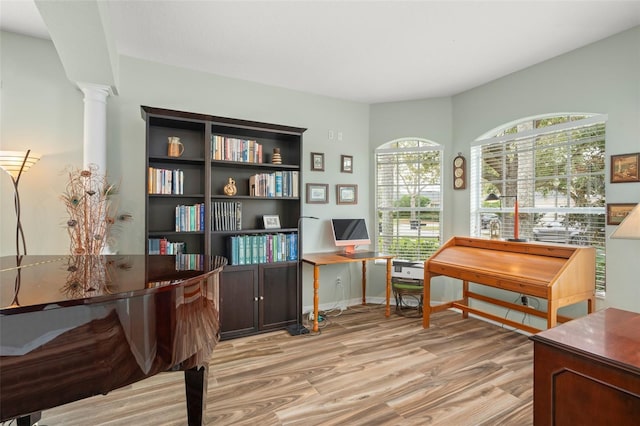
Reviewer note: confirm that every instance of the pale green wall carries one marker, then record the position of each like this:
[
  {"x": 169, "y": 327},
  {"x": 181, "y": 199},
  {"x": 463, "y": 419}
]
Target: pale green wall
[
  {"x": 601, "y": 78},
  {"x": 41, "y": 109}
]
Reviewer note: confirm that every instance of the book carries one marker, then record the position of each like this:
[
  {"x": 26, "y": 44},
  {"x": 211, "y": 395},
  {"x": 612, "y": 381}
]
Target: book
[{"x": 277, "y": 183}]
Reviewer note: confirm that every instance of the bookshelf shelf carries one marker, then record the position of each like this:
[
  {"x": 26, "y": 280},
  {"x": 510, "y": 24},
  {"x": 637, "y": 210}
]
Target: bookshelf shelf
[
  {"x": 254, "y": 297},
  {"x": 200, "y": 196}
]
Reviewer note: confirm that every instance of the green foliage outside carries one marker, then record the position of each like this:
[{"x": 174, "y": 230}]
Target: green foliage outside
[
  {"x": 408, "y": 248},
  {"x": 405, "y": 201}
]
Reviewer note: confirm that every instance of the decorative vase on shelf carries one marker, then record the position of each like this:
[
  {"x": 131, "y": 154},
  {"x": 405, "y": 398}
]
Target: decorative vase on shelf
[
  {"x": 276, "y": 159},
  {"x": 230, "y": 188}
]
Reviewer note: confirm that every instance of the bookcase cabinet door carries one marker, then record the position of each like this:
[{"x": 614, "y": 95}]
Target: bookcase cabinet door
[
  {"x": 278, "y": 290},
  {"x": 238, "y": 301}
]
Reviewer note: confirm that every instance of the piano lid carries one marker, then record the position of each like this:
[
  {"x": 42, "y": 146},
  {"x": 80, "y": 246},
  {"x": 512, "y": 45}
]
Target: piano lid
[{"x": 33, "y": 283}]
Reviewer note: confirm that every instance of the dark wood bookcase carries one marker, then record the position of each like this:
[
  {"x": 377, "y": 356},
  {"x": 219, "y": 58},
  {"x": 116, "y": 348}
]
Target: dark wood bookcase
[{"x": 255, "y": 297}]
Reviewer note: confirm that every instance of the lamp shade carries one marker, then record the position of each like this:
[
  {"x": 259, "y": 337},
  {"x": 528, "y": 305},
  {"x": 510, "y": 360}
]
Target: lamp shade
[
  {"x": 630, "y": 226},
  {"x": 11, "y": 161}
]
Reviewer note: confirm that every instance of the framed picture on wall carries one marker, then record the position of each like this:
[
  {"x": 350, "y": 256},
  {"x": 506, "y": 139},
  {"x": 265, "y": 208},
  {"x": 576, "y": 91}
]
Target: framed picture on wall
[
  {"x": 317, "y": 162},
  {"x": 624, "y": 168},
  {"x": 617, "y": 212},
  {"x": 347, "y": 194},
  {"x": 346, "y": 163},
  {"x": 317, "y": 193}
]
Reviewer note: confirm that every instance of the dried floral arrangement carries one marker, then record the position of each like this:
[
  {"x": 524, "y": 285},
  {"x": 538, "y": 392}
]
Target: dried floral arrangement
[{"x": 90, "y": 203}]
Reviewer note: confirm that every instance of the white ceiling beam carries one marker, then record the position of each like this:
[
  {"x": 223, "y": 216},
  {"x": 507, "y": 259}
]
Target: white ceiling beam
[{"x": 80, "y": 31}]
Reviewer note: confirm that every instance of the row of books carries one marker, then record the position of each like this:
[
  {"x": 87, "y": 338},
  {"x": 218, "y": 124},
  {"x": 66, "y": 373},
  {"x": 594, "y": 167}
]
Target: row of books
[
  {"x": 163, "y": 246},
  {"x": 226, "y": 216},
  {"x": 164, "y": 181},
  {"x": 190, "y": 262},
  {"x": 184, "y": 261},
  {"x": 264, "y": 248},
  {"x": 235, "y": 149},
  {"x": 275, "y": 184},
  {"x": 190, "y": 218}
]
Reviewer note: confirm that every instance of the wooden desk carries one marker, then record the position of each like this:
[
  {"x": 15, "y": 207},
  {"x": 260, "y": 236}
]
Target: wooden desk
[
  {"x": 562, "y": 274},
  {"x": 319, "y": 259},
  {"x": 587, "y": 371}
]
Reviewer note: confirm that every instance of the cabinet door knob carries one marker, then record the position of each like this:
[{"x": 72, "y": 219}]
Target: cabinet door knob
[
  {"x": 255, "y": 299},
  {"x": 261, "y": 297}
]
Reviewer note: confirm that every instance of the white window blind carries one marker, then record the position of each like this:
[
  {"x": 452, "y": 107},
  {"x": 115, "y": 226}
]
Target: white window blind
[
  {"x": 556, "y": 168},
  {"x": 408, "y": 198}
]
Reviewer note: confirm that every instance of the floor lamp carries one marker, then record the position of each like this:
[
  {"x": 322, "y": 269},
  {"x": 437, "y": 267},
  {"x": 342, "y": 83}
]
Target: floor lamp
[
  {"x": 14, "y": 163},
  {"x": 516, "y": 219},
  {"x": 297, "y": 328}
]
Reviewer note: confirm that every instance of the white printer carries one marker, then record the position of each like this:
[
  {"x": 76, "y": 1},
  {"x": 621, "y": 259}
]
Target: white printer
[{"x": 413, "y": 270}]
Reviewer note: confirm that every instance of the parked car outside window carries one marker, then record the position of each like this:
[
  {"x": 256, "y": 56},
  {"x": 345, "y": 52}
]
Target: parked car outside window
[
  {"x": 486, "y": 218},
  {"x": 557, "y": 232}
]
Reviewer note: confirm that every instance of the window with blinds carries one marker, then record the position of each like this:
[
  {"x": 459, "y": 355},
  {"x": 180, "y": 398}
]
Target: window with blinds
[
  {"x": 408, "y": 198},
  {"x": 555, "y": 166}
]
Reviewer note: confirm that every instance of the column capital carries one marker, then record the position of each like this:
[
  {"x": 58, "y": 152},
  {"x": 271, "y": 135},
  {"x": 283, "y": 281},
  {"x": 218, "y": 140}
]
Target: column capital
[{"x": 95, "y": 92}]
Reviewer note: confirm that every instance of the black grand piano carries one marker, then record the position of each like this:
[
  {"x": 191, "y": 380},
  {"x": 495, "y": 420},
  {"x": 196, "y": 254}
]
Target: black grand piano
[{"x": 72, "y": 327}]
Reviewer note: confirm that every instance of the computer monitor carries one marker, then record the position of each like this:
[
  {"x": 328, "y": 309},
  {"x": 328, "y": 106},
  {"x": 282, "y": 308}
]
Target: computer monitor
[{"x": 349, "y": 233}]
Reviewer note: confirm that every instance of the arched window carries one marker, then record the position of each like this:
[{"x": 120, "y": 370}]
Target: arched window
[
  {"x": 555, "y": 166},
  {"x": 408, "y": 198}
]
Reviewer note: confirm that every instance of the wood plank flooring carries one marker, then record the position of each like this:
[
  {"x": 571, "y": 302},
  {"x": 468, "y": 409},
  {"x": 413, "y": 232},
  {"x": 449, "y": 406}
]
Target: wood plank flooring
[{"x": 362, "y": 369}]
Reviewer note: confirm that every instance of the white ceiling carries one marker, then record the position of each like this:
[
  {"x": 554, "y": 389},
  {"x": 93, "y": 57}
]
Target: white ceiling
[{"x": 366, "y": 51}]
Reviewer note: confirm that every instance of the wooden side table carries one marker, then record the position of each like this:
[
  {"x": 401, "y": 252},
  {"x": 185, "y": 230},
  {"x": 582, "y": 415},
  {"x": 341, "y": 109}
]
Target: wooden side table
[{"x": 587, "y": 371}]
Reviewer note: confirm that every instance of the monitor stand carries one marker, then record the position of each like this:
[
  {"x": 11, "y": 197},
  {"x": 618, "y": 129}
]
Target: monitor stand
[{"x": 349, "y": 249}]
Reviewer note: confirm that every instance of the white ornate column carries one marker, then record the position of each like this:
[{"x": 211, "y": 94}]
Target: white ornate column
[{"x": 95, "y": 125}]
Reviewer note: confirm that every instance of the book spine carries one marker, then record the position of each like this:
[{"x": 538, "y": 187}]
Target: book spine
[
  {"x": 238, "y": 215},
  {"x": 295, "y": 183},
  {"x": 278, "y": 184},
  {"x": 255, "y": 258},
  {"x": 241, "y": 250}
]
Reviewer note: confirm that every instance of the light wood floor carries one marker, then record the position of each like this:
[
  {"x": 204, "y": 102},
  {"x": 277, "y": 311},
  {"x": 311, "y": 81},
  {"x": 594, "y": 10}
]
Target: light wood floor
[{"x": 362, "y": 369}]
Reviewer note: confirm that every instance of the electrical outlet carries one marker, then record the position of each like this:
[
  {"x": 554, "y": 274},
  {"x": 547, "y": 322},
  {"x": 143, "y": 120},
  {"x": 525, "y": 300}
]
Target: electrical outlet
[{"x": 338, "y": 280}]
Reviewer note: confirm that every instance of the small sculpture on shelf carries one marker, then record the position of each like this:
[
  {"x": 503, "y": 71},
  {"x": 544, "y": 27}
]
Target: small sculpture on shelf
[
  {"x": 230, "y": 188},
  {"x": 276, "y": 158}
]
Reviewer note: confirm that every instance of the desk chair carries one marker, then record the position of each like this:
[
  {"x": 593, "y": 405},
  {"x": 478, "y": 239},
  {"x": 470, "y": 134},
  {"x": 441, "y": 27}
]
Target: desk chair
[{"x": 408, "y": 294}]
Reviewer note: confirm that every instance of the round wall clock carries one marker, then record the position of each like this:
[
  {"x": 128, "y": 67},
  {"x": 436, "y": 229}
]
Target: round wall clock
[{"x": 459, "y": 172}]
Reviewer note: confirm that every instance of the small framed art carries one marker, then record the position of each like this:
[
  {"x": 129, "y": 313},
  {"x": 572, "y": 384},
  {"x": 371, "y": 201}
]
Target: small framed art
[
  {"x": 624, "y": 168},
  {"x": 317, "y": 193},
  {"x": 346, "y": 163},
  {"x": 616, "y": 212},
  {"x": 317, "y": 162},
  {"x": 347, "y": 194},
  {"x": 271, "y": 221}
]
